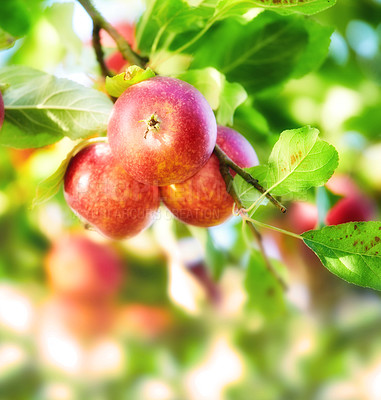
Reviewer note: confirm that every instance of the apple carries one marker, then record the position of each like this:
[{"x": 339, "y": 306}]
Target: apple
[
  {"x": 354, "y": 206},
  {"x": 203, "y": 200},
  {"x": 143, "y": 320},
  {"x": 126, "y": 29},
  {"x": 103, "y": 194},
  {"x": 81, "y": 268},
  {"x": 116, "y": 63},
  {"x": 162, "y": 130},
  {"x": 2, "y": 111},
  {"x": 83, "y": 318},
  {"x": 302, "y": 216}
]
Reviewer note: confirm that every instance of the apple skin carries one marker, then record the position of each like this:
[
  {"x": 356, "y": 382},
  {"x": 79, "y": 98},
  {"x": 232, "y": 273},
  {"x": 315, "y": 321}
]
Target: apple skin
[
  {"x": 203, "y": 200},
  {"x": 176, "y": 147},
  {"x": 125, "y": 29},
  {"x": 116, "y": 63},
  {"x": 144, "y": 320},
  {"x": 84, "y": 319},
  {"x": 101, "y": 192},
  {"x": 80, "y": 268},
  {"x": 2, "y": 111},
  {"x": 355, "y": 206},
  {"x": 302, "y": 216}
]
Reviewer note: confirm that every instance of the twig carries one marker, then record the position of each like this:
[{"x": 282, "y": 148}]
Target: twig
[
  {"x": 225, "y": 160},
  {"x": 269, "y": 266},
  {"x": 123, "y": 46},
  {"x": 226, "y": 175},
  {"x": 99, "y": 51}
]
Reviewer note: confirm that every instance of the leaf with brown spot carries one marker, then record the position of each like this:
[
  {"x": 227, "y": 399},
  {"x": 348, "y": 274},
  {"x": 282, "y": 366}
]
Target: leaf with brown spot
[
  {"x": 299, "y": 161},
  {"x": 239, "y": 7},
  {"x": 356, "y": 258}
]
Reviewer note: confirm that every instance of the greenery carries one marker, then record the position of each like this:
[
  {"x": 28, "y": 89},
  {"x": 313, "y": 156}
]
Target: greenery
[{"x": 200, "y": 313}]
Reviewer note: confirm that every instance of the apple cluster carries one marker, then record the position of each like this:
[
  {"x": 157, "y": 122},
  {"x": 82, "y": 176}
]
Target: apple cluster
[{"x": 161, "y": 136}]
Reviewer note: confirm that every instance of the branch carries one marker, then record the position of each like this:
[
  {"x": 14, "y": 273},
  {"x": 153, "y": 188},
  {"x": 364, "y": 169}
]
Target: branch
[
  {"x": 226, "y": 175},
  {"x": 123, "y": 46},
  {"x": 99, "y": 51},
  {"x": 225, "y": 160}
]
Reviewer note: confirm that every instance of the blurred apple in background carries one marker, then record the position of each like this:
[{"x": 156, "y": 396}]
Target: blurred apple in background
[
  {"x": 143, "y": 320},
  {"x": 115, "y": 61},
  {"x": 81, "y": 268},
  {"x": 20, "y": 156},
  {"x": 302, "y": 216},
  {"x": 84, "y": 319},
  {"x": 354, "y": 206}
]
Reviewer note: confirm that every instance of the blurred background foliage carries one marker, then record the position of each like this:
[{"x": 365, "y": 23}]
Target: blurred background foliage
[{"x": 194, "y": 314}]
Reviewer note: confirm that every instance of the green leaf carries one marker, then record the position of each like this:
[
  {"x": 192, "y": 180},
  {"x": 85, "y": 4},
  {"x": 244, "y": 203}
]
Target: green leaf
[
  {"x": 117, "y": 84},
  {"x": 50, "y": 186},
  {"x": 246, "y": 192},
  {"x": 12, "y": 136},
  {"x": 265, "y": 293},
  {"x": 232, "y": 96},
  {"x": 164, "y": 18},
  {"x": 14, "y": 17},
  {"x": 299, "y": 161},
  {"x": 351, "y": 251},
  {"x": 6, "y": 40},
  {"x": 215, "y": 258},
  {"x": 41, "y": 104},
  {"x": 240, "y": 7},
  {"x": 222, "y": 96},
  {"x": 264, "y": 52}
]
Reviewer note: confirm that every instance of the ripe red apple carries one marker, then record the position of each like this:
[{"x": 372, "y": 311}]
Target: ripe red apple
[
  {"x": 125, "y": 29},
  {"x": 116, "y": 63},
  {"x": 101, "y": 192},
  {"x": 81, "y": 268},
  {"x": 83, "y": 318},
  {"x": 162, "y": 130},
  {"x": 143, "y": 320},
  {"x": 302, "y": 216},
  {"x": 203, "y": 200},
  {"x": 354, "y": 206},
  {"x": 1, "y": 110}
]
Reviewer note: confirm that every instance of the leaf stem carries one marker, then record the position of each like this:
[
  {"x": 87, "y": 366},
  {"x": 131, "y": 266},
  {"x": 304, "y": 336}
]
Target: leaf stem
[
  {"x": 122, "y": 44},
  {"x": 225, "y": 164},
  {"x": 274, "y": 228}
]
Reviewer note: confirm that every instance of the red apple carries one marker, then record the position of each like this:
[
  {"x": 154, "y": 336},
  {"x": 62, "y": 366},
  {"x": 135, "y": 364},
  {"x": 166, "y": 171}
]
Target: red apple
[
  {"x": 354, "y": 206},
  {"x": 302, "y": 216},
  {"x": 1, "y": 110},
  {"x": 144, "y": 320},
  {"x": 81, "y": 268},
  {"x": 81, "y": 317},
  {"x": 203, "y": 200},
  {"x": 162, "y": 130},
  {"x": 101, "y": 192},
  {"x": 116, "y": 63},
  {"x": 125, "y": 29}
]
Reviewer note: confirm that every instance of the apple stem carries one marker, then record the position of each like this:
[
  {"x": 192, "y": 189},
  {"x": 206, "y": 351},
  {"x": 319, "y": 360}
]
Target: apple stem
[
  {"x": 99, "y": 22},
  {"x": 153, "y": 124}
]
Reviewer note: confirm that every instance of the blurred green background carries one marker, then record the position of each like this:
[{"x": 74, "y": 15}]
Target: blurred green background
[{"x": 168, "y": 330}]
